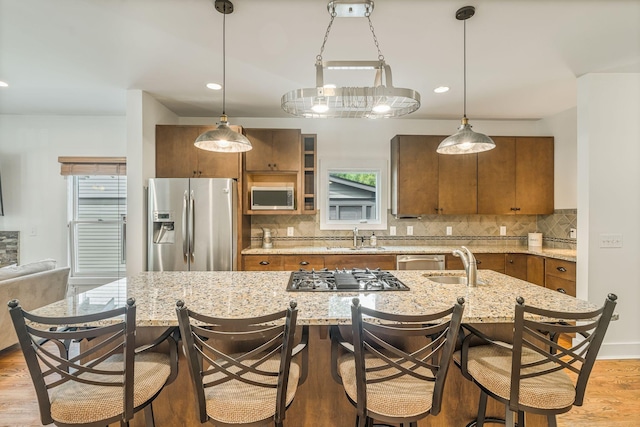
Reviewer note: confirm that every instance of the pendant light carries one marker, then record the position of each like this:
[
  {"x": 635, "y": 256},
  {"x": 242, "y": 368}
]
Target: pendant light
[
  {"x": 465, "y": 141},
  {"x": 223, "y": 138}
]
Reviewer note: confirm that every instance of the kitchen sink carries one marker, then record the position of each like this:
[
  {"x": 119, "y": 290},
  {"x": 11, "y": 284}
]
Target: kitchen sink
[
  {"x": 450, "y": 280},
  {"x": 359, "y": 248}
]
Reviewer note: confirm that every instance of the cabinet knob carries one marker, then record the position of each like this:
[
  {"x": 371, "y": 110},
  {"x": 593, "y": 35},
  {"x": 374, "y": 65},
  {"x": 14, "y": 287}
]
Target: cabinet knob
[
  {"x": 562, "y": 269},
  {"x": 514, "y": 209},
  {"x": 275, "y": 166},
  {"x": 561, "y": 290},
  {"x": 510, "y": 261},
  {"x": 478, "y": 262},
  {"x": 264, "y": 262},
  {"x": 304, "y": 262}
]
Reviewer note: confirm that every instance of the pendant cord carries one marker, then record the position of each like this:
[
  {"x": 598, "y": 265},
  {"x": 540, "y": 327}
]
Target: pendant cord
[
  {"x": 224, "y": 56},
  {"x": 464, "y": 68}
]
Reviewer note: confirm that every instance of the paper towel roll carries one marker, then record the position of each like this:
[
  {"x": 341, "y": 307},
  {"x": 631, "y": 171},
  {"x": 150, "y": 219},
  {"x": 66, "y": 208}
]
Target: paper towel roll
[{"x": 535, "y": 241}]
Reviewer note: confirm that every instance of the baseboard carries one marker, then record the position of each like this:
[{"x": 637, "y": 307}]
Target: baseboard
[{"x": 630, "y": 350}]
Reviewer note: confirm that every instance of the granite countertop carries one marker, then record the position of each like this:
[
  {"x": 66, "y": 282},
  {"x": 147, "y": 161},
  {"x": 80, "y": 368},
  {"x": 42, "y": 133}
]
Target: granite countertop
[
  {"x": 243, "y": 293},
  {"x": 563, "y": 254}
]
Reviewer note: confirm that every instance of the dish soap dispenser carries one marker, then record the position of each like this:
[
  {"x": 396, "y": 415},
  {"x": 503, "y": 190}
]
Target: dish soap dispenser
[{"x": 373, "y": 240}]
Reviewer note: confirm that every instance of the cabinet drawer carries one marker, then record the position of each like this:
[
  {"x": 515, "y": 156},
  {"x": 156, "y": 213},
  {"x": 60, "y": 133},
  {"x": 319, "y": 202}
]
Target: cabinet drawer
[
  {"x": 561, "y": 269},
  {"x": 555, "y": 283},
  {"x": 493, "y": 262},
  {"x": 307, "y": 262},
  {"x": 384, "y": 262},
  {"x": 262, "y": 262}
]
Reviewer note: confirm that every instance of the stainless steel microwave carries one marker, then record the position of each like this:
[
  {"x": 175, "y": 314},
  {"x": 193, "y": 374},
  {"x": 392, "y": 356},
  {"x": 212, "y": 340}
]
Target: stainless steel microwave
[{"x": 272, "y": 198}]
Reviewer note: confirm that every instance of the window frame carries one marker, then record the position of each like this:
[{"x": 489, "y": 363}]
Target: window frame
[{"x": 367, "y": 165}]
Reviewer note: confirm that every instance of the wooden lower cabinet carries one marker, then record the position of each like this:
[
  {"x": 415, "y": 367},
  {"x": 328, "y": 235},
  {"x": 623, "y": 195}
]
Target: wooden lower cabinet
[
  {"x": 516, "y": 265},
  {"x": 296, "y": 262},
  {"x": 535, "y": 269},
  {"x": 560, "y": 275},
  {"x": 493, "y": 262}
]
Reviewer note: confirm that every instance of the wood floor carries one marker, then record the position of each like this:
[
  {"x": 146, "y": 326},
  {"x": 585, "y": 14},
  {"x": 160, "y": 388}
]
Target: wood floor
[{"x": 613, "y": 395}]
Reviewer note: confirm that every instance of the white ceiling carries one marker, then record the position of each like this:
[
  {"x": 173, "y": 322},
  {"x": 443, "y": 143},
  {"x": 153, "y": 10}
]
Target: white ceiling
[{"x": 523, "y": 56}]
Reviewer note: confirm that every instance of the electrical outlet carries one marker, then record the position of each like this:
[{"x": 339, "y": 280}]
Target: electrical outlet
[
  {"x": 611, "y": 240},
  {"x": 449, "y": 230},
  {"x": 289, "y": 231},
  {"x": 34, "y": 231},
  {"x": 503, "y": 230},
  {"x": 409, "y": 230},
  {"x": 392, "y": 230},
  {"x": 573, "y": 233}
]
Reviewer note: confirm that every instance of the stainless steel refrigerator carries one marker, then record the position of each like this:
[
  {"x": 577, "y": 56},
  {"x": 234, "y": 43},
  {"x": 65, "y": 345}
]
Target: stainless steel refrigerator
[{"x": 192, "y": 224}]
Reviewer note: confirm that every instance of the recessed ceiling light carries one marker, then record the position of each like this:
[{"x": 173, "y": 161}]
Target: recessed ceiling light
[
  {"x": 214, "y": 86},
  {"x": 3, "y": 84},
  {"x": 441, "y": 89}
]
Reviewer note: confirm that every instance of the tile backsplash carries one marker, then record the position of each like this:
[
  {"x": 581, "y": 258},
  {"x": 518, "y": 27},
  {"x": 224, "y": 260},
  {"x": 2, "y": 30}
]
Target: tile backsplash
[{"x": 429, "y": 230}]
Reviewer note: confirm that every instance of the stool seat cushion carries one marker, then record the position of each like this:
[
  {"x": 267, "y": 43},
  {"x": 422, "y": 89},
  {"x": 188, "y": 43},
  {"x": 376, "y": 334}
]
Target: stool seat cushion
[
  {"x": 236, "y": 402},
  {"x": 490, "y": 367},
  {"x": 77, "y": 403},
  {"x": 402, "y": 397}
]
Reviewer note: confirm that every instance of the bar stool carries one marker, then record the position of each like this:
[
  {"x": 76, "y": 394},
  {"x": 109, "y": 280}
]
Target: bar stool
[
  {"x": 384, "y": 381},
  {"x": 531, "y": 375},
  {"x": 241, "y": 368},
  {"x": 107, "y": 381}
]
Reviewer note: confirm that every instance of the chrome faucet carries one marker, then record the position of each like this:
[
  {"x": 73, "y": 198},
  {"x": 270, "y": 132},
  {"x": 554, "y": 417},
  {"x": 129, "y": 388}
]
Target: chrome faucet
[
  {"x": 355, "y": 237},
  {"x": 470, "y": 265}
]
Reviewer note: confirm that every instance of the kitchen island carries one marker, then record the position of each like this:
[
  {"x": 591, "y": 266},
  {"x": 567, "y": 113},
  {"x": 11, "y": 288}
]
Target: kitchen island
[{"x": 320, "y": 401}]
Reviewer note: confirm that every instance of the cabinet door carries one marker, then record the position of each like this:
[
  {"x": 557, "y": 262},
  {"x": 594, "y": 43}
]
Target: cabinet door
[
  {"x": 177, "y": 157},
  {"x": 458, "y": 184},
  {"x": 535, "y": 270},
  {"x": 175, "y": 152},
  {"x": 273, "y": 150},
  {"x": 384, "y": 262},
  {"x": 516, "y": 266},
  {"x": 414, "y": 175},
  {"x": 534, "y": 175},
  {"x": 496, "y": 178},
  {"x": 262, "y": 262}
]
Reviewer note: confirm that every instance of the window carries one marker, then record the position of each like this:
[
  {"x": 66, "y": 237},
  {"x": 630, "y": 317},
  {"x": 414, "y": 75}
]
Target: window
[
  {"x": 353, "y": 194},
  {"x": 98, "y": 207}
]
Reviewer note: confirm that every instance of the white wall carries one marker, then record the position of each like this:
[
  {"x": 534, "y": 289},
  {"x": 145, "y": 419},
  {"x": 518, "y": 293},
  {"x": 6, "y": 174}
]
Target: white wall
[
  {"x": 563, "y": 127},
  {"x": 609, "y": 201},
  {"x": 143, "y": 113},
  {"x": 34, "y": 192}
]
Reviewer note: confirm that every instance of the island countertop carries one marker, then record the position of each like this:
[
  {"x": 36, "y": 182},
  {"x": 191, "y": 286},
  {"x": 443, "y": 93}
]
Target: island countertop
[
  {"x": 563, "y": 254},
  {"x": 243, "y": 293}
]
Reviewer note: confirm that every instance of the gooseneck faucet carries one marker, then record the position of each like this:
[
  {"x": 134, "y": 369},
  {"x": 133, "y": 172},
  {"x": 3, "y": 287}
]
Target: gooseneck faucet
[
  {"x": 470, "y": 265},
  {"x": 355, "y": 237}
]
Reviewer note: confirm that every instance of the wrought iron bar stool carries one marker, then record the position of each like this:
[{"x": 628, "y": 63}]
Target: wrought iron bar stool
[
  {"x": 241, "y": 368},
  {"x": 533, "y": 373},
  {"x": 384, "y": 381},
  {"x": 105, "y": 381}
]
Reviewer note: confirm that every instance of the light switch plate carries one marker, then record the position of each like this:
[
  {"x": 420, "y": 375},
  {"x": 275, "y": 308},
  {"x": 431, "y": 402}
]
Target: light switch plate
[
  {"x": 409, "y": 230},
  {"x": 289, "y": 231},
  {"x": 610, "y": 240},
  {"x": 573, "y": 233},
  {"x": 503, "y": 230},
  {"x": 449, "y": 230},
  {"x": 392, "y": 230}
]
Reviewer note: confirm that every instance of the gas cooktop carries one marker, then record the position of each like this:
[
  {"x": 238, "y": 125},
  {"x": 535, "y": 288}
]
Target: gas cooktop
[{"x": 356, "y": 279}]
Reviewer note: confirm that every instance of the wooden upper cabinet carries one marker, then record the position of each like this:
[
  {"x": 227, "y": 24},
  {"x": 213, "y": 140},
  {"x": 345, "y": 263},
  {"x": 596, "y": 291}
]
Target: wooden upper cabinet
[
  {"x": 177, "y": 157},
  {"x": 457, "y": 184},
  {"x": 274, "y": 150},
  {"x": 516, "y": 177},
  {"x": 414, "y": 175}
]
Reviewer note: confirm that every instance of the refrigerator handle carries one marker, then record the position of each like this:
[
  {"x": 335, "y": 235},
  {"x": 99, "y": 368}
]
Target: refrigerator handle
[
  {"x": 185, "y": 242},
  {"x": 191, "y": 223}
]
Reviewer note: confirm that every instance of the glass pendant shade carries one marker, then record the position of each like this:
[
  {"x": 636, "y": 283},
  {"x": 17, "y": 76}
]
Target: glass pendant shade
[
  {"x": 466, "y": 141},
  {"x": 223, "y": 139}
]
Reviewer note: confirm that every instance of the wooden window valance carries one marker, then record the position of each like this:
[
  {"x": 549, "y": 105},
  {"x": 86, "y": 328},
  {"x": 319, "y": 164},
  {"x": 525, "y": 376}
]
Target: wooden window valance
[{"x": 93, "y": 165}]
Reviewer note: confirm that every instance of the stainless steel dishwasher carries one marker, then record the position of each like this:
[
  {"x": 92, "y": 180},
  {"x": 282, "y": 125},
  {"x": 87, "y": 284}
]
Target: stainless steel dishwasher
[{"x": 420, "y": 262}]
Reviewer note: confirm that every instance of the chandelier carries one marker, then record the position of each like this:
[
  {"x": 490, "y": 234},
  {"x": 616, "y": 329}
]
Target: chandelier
[{"x": 381, "y": 100}]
